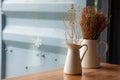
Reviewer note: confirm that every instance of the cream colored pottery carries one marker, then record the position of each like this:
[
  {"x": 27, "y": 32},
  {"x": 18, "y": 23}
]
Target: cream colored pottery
[
  {"x": 92, "y": 59},
  {"x": 73, "y": 61}
]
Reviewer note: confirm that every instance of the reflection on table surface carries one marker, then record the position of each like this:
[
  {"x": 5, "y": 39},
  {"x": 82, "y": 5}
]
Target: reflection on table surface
[{"x": 105, "y": 72}]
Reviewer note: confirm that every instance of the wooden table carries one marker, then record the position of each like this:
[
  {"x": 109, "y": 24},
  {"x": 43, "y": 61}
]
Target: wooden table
[{"x": 105, "y": 72}]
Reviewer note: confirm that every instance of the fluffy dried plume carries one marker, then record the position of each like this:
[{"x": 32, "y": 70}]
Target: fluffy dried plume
[{"x": 93, "y": 22}]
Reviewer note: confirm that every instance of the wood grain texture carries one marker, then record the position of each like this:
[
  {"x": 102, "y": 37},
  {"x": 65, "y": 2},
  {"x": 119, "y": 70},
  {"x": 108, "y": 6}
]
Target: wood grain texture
[{"x": 105, "y": 72}]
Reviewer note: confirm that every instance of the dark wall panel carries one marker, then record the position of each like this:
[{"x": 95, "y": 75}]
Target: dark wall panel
[{"x": 114, "y": 51}]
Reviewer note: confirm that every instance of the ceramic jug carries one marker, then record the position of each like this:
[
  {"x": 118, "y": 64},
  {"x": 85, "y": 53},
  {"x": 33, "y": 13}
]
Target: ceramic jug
[
  {"x": 73, "y": 60},
  {"x": 92, "y": 58}
]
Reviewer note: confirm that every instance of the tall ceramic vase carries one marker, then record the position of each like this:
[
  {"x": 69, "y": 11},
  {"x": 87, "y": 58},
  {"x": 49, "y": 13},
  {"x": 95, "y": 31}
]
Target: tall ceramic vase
[
  {"x": 73, "y": 61},
  {"x": 92, "y": 59}
]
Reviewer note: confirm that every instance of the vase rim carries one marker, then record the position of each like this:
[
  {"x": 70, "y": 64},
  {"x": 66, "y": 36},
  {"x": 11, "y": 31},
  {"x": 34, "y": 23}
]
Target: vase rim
[
  {"x": 90, "y": 39},
  {"x": 73, "y": 45}
]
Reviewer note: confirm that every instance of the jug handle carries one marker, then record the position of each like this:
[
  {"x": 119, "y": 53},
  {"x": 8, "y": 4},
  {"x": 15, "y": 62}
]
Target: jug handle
[
  {"x": 106, "y": 48},
  {"x": 85, "y": 51}
]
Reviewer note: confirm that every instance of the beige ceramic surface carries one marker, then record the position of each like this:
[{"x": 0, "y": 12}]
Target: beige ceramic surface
[
  {"x": 73, "y": 61},
  {"x": 92, "y": 59}
]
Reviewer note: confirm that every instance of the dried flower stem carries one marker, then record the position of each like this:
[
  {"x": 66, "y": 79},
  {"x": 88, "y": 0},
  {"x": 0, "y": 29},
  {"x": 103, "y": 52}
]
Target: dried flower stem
[
  {"x": 66, "y": 29},
  {"x": 74, "y": 23}
]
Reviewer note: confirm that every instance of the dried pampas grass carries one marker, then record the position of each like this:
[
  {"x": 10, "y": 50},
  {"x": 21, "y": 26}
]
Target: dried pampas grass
[
  {"x": 93, "y": 22},
  {"x": 72, "y": 31}
]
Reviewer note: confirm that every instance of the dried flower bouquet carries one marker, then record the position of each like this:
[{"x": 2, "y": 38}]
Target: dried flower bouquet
[{"x": 93, "y": 22}]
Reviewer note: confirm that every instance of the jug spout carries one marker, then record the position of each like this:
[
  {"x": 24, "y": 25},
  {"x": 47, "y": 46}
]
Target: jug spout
[{"x": 73, "y": 46}]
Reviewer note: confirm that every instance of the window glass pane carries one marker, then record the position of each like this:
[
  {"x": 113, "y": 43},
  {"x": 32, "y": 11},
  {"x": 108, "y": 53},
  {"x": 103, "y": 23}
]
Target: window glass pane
[{"x": 33, "y": 35}]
